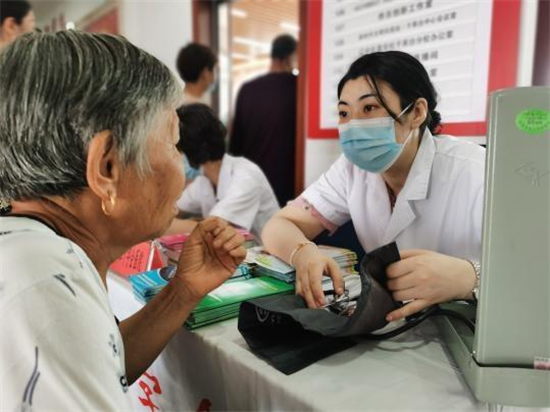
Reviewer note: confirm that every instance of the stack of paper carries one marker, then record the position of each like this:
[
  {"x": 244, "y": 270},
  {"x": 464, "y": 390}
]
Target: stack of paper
[
  {"x": 147, "y": 284},
  {"x": 224, "y": 302},
  {"x": 345, "y": 258},
  {"x": 172, "y": 245},
  {"x": 135, "y": 260},
  {"x": 264, "y": 264}
]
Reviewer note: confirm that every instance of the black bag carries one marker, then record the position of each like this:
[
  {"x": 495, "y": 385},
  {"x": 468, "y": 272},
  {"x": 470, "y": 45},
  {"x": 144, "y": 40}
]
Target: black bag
[{"x": 288, "y": 335}]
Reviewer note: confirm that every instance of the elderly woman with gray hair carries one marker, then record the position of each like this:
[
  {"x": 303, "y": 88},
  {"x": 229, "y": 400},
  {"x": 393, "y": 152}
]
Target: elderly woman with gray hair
[{"x": 88, "y": 168}]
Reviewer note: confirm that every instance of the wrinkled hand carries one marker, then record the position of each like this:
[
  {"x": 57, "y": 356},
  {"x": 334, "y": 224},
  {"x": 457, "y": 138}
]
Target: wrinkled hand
[
  {"x": 310, "y": 266},
  {"x": 428, "y": 278},
  {"x": 210, "y": 256}
]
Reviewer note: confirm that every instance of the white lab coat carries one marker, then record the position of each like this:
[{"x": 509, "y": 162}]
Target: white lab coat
[
  {"x": 440, "y": 207},
  {"x": 243, "y": 198}
]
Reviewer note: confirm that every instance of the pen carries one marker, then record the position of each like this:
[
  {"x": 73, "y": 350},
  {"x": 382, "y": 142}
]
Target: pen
[{"x": 151, "y": 254}]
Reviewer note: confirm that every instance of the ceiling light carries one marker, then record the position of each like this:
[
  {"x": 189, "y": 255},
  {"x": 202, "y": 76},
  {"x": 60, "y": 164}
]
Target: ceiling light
[
  {"x": 239, "y": 13},
  {"x": 240, "y": 56},
  {"x": 286, "y": 25},
  {"x": 251, "y": 42}
]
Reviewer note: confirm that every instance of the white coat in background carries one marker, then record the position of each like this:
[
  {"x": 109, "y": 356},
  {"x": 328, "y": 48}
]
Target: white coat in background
[
  {"x": 243, "y": 197},
  {"x": 440, "y": 207}
]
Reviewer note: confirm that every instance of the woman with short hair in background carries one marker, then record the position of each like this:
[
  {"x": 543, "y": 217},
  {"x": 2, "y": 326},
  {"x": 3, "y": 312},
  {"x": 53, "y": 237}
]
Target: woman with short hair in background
[{"x": 232, "y": 188}]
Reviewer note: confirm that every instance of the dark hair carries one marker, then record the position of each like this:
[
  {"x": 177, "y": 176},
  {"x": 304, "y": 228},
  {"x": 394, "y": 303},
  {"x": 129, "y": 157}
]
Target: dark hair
[
  {"x": 406, "y": 76},
  {"x": 202, "y": 134},
  {"x": 17, "y": 9},
  {"x": 283, "y": 46},
  {"x": 193, "y": 59},
  {"x": 82, "y": 83}
]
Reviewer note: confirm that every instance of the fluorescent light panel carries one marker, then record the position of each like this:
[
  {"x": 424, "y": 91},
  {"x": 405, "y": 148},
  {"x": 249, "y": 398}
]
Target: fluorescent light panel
[
  {"x": 240, "y": 56},
  {"x": 251, "y": 42},
  {"x": 286, "y": 25},
  {"x": 239, "y": 13}
]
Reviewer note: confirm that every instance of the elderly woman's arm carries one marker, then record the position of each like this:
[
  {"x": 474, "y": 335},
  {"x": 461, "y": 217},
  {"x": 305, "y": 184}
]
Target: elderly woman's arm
[
  {"x": 146, "y": 333},
  {"x": 179, "y": 226},
  {"x": 211, "y": 255}
]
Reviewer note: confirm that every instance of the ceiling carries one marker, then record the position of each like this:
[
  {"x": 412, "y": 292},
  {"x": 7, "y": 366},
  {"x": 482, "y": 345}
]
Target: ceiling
[{"x": 255, "y": 23}]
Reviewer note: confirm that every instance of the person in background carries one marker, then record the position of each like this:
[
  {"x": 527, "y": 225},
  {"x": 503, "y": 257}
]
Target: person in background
[
  {"x": 232, "y": 188},
  {"x": 89, "y": 167},
  {"x": 396, "y": 182},
  {"x": 196, "y": 66},
  {"x": 264, "y": 125},
  {"x": 16, "y": 18}
]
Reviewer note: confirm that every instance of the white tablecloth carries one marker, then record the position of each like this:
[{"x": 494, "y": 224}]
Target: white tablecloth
[{"x": 213, "y": 369}]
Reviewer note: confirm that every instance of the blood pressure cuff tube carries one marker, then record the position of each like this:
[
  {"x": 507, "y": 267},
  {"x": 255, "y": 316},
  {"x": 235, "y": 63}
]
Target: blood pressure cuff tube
[{"x": 283, "y": 331}]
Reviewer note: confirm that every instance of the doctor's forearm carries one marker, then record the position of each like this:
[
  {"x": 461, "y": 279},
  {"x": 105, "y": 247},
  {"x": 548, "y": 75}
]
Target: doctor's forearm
[{"x": 280, "y": 237}]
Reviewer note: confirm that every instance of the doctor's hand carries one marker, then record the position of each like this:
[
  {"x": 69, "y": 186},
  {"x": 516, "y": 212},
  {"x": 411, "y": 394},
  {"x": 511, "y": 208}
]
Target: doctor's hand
[
  {"x": 310, "y": 266},
  {"x": 427, "y": 278},
  {"x": 210, "y": 256}
]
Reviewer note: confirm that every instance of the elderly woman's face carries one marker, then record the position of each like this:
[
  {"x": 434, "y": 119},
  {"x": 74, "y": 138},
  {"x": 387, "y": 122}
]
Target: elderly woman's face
[{"x": 152, "y": 200}]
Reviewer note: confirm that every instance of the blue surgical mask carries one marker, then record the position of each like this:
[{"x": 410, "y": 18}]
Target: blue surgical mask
[
  {"x": 370, "y": 143},
  {"x": 190, "y": 172}
]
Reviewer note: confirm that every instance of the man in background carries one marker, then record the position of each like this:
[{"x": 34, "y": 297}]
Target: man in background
[
  {"x": 16, "y": 18},
  {"x": 264, "y": 126},
  {"x": 196, "y": 66}
]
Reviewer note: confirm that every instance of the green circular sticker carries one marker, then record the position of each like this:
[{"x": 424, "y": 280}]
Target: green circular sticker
[{"x": 533, "y": 121}]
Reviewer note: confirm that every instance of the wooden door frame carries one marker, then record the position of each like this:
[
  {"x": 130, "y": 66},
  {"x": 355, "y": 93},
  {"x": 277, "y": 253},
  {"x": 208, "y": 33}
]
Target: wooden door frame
[
  {"x": 301, "y": 102},
  {"x": 205, "y": 31}
]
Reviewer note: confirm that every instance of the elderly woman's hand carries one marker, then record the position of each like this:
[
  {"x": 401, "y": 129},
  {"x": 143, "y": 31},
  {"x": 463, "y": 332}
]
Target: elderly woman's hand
[
  {"x": 210, "y": 256},
  {"x": 427, "y": 278}
]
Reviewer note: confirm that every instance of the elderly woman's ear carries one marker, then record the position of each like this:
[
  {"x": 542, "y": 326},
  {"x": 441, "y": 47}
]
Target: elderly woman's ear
[{"x": 103, "y": 170}]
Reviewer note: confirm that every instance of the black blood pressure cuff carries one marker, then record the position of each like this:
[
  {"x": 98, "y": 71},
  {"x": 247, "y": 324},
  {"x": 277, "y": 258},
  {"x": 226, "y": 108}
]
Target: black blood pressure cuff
[{"x": 289, "y": 336}]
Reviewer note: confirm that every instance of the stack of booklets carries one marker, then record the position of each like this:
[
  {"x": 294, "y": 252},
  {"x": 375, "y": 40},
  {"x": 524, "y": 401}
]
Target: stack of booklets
[
  {"x": 147, "y": 284},
  {"x": 220, "y": 304},
  {"x": 345, "y": 258},
  {"x": 264, "y": 264},
  {"x": 172, "y": 245},
  {"x": 136, "y": 259},
  {"x": 225, "y": 301}
]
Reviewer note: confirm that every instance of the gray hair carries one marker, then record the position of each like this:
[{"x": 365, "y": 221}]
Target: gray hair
[{"x": 57, "y": 91}]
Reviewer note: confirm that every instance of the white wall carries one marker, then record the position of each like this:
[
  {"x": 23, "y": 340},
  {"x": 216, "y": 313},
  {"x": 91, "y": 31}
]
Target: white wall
[
  {"x": 320, "y": 154},
  {"x": 159, "y": 27},
  {"x": 46, "y": 10}
]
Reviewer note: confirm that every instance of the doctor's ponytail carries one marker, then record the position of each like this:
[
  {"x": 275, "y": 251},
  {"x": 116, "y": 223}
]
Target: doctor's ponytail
[
  {"x": 433, "y": 121},
  {"x": 406, "y": 76}
]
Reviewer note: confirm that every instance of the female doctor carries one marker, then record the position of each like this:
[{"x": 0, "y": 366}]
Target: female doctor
[
  {"x": 232, "y": 188},
  {"x": 396, "y": 182}
]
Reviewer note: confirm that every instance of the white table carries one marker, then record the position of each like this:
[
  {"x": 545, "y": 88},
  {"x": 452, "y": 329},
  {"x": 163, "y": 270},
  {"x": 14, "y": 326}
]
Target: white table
[{"x": 213, "y": 369}]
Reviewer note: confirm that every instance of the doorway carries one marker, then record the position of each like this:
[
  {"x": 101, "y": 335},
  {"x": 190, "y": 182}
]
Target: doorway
[{"x": 246, "y": 30}]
